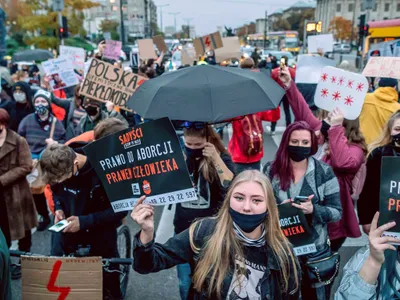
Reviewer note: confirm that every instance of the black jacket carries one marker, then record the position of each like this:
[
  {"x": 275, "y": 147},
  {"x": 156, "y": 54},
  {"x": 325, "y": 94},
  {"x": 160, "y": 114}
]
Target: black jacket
[
  {"x": 85, "y": 197},
  {"x": 155, "y": 257},
  {"x": 368, "y": 203}
]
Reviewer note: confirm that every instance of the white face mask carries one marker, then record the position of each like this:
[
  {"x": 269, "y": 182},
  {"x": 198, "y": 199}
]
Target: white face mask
[{"x": 19, "y": 97}]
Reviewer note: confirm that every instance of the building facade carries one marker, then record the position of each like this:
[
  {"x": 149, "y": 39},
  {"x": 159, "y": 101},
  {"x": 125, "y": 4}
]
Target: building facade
[
  {"x": 351, "y": 9},
  {"x": 138, "y": 15}
]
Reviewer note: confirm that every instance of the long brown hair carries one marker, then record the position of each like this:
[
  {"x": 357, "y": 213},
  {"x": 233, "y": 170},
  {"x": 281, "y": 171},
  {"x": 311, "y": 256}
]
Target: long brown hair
[
  {"x": 223, "y": 247},
  {"x": 351, "y": 130},
  {"x": 206, "y": 165},
  {"x": 386, "y": 136}
]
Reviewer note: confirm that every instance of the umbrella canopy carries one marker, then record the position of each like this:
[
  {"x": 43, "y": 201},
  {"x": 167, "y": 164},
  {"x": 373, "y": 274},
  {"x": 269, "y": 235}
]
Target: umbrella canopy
[
  {"x": 206, "y": 94},
  {"x": 29, "y": 55}
]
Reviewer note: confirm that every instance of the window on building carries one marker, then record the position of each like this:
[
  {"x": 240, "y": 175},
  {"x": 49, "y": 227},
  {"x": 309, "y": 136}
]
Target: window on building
[
  {"x": 375, "y": 7},
  {"x": 362, "y": 7},
  {"x": 351, "y": 7},
  {"x": 398, "y": 7},
  {"x": 338, "y": 7},
  {"x": 387, "y": 7}
]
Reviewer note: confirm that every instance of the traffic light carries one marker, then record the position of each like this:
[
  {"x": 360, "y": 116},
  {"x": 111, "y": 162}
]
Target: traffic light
[
  {"x": 362, "y": 26},
  {"x": 63, "y": 30}
]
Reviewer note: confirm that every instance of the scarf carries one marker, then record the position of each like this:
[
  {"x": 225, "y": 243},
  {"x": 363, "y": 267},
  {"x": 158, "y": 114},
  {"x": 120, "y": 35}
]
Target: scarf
[{"x": 260, "y": 242}]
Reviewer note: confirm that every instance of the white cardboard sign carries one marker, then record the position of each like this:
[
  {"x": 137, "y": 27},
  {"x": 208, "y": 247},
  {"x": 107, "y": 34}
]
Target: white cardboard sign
[
  {"x": 57, "y": 65},
  {"x": 78, "y": 55},
  {"x": 322, "y": 41},
  {"x": 342, "y": 89}
]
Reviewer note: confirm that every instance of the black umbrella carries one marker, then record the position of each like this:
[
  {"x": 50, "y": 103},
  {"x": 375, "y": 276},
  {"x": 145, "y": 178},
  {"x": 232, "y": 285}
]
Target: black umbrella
[
  {"x": 29, "y": 55},
  {"x": 206, "y": 94}
]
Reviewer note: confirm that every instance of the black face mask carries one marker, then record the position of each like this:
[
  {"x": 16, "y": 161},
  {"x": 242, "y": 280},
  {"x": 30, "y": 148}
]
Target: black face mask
[
  {"x": 193, "y": 153},
  {"x": 324, "y": 129},
  {"x": 91, "y": 110},
  {"x": 396, "y": 138},
  {"x": 298, "y": 153},
  {"x": 247, "y": 223}
]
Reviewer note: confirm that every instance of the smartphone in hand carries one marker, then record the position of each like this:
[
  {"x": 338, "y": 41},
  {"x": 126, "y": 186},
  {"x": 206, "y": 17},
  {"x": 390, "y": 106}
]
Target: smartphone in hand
[
  {"x": 299, "y": 199},
  {"x": 60, "y": 226}
]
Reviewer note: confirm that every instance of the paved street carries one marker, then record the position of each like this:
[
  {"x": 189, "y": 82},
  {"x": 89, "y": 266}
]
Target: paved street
[{"x": 164, "y": 285}]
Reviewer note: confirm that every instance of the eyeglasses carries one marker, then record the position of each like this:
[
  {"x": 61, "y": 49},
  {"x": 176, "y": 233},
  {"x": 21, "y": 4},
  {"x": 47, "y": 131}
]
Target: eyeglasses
[{"x": 195, "y": 125}]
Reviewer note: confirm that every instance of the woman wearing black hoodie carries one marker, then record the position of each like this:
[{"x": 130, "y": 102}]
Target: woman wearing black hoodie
[{"x": 22, "y": 94}]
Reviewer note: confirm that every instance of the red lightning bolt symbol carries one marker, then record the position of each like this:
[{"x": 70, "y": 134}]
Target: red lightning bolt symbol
[
  {"x": 64, "y": 291},
  {"x": 207, "y": 42}
]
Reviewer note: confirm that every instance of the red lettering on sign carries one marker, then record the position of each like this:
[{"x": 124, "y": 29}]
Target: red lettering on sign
[
  {"x": 207, "y": 41},
  {"x": 64, "y": 291}
]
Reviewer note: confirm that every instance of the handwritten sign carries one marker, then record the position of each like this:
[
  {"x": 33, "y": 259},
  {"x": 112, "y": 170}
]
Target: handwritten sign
[
  {"x": 77, "y": 54},
  {"x": 105, "y": 82},
  {"x": 389, "y": 199},
  {"x": 384, "y": 67},
  {"x": 322, "y": 42},
  {"x": 160, "y": 43},
  {"x": 342, "y": 89},
  {"x": 63, "y": 79},
  {"x": 146, "y": 49},
  {"x": 295, "y": 227},
  {"x": 112, "y": 49},
  {"x": 145, "y": 160},
  {"x": 55, "y": 278},
  {"x": 208, "y": 42},
  {"x": 57, "y": 65}
]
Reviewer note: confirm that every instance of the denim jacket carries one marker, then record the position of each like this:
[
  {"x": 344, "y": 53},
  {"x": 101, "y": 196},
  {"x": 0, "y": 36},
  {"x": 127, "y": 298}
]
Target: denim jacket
[{"x": 154, "y": 257}]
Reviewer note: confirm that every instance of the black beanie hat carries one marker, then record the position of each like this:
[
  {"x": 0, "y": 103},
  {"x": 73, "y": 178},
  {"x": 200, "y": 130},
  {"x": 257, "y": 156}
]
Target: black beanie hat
[{"x": 387, "y": 82}]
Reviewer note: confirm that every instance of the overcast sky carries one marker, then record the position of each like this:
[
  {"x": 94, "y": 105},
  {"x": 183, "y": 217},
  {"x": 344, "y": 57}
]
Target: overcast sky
[{"x": 206, "y": 15}]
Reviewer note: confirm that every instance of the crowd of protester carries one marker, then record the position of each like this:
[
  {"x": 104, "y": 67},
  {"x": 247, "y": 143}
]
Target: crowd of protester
[{"x": 228, "y": 243}]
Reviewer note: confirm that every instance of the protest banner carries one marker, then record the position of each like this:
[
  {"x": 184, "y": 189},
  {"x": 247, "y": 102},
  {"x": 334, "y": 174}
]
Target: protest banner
[
  {"x": 231, "y": 49},
  {"x": 160, "y": 43},
  {"x": 78, "y": 55},
  {"x": 188, "y": 56},
  {"x": 57, "y": 65},
  {"x": 63, "y": 79},
  {"x": 309, "y": 68},
  {"x": 389, "y": 197},
  {"x": 295, "y": 227},
  {"x": 342, "y": 89},
  {"x": 112, "y": 49},
  {"x": 208, "y": 42},
  {"x": 145, "y": 160},
  {"x": 385, "y": 67},
  {"x": 106, "y": 82},
  {"x": 146, "y": 49},
  {"x": 322, "y": 41},
  {"x": 69, "y": 278}
]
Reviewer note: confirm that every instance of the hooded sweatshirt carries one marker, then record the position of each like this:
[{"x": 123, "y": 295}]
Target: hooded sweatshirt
[
  {"x": 21, "y": 109},
  {"x": 377, "y": 109}
]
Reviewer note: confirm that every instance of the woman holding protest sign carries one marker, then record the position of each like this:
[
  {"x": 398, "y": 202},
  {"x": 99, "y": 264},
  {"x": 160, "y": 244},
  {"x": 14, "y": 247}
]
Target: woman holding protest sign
[
  {"x": 342, "y": 146},
  {"x": 374, "y": 271},
  {"x": 387, "y": 145},
  {"x": 239, "y": 254},
  {"x": 312, "y": 187},
  {"x": 211, "y": 169}
]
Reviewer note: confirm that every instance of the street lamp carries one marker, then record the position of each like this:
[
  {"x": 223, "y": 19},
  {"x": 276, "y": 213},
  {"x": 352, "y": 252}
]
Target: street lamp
[
  {"x": 121, "y": 21},
  {"x": 174, "y": 14},
  {"x": 161, "y": 21}
]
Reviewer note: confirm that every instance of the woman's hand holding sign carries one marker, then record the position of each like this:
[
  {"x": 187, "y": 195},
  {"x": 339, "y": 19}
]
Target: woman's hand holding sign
[
  {"x": 377, "y": 246},
  {"x": 285, "y": 77},
  {"x": 143, "y": 215},
  {"x": 336, "y": 117}
]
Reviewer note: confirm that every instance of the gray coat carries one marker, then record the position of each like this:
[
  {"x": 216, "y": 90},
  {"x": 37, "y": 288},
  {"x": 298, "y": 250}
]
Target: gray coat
[{"x": 321, "y": 182}]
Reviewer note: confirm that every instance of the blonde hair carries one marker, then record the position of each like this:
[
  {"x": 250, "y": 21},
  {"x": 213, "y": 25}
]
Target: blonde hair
[
  {"x": 207, "y": 167},
  {"x": 223, "y": 246},
  {"x": 386, "y": 136}
]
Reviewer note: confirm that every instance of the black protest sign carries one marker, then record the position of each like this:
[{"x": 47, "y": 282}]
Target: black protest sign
[
  {"x": 142, "y": 160},
  {"x": 389, "y": 204},
  {"x": 295, "y": 227},
  {"x": 106, "y": 82}
]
